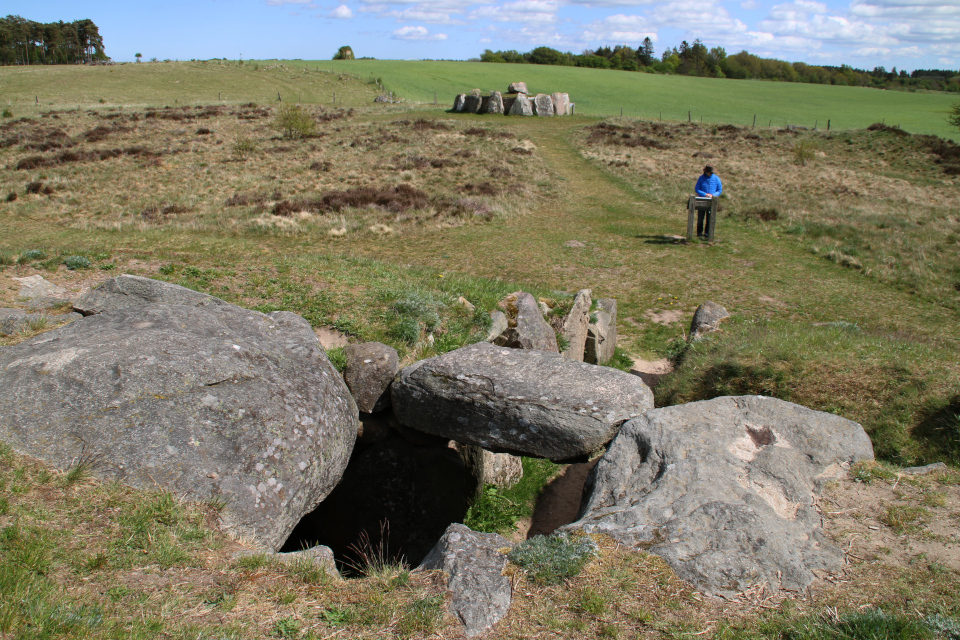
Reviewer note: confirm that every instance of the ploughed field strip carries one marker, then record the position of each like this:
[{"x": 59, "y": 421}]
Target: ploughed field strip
[{"x": 230, "y": 168}]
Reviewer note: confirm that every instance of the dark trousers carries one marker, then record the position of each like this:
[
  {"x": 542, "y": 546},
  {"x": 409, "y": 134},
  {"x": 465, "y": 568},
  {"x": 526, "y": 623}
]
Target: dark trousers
[{"x": 703, "y": 215}]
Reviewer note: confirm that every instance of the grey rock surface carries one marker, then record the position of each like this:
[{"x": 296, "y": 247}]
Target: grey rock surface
[
  {"x": 472, "y": 103},
  {"x": 707, "y": 318},
  {"x": 40, "y": 293},
  {"x": 725, "y": 490},
  {"x": 212, "y": 402},
  {"x": 132, "y": 291},
  {"x": 459, "y": 102},
  {"x": 575, "y": 325},
  {"x": 533, "y": 332},
  {"x": 602, "y": 334},
  {"x": 14, "y": 321},
  {"x": 495, "y": 105},
  {"x": 561, "y": 103},
  {"x": 925, "y": 469},
  {"x": 543, "y": 105},
  {"x": 521, "y": 106},
  {"x": 319, "y": 556},
  {"x": 518, "y": 401},
  {"x": 517, "y": 87},
  {"x": 370, "y": 369},
  {"x": 480, "y": 594}
]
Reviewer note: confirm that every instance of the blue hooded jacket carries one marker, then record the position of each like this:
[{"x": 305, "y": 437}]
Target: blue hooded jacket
[{"x": 708, "y": 185}]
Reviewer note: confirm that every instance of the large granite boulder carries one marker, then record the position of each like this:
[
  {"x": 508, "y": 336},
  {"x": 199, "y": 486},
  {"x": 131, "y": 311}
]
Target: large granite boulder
[
  {"x": 517, "y": 87},
  {"x": 575, "y": 325},
  {"x": 495, "y": 104},
  {"x": 602, "y": 332},
  {"x": 543, "y": 105},
  {"x": 707, "y": 318},
  {"x": 480, "y": 593},
  {"x": 395, "y": 494},
  {"x": 370, "y": 369},
  {"x": 529, "y": 329},
  {"x": 561, "y": 103},
  {"x": 211, "y": 402},
  {"x": 521, "y": 106},
  {"x": 498, "y": 324},
  {"x": 518, "y": 401},
  {"x": 134, "y": 291},
  {"x": 725, "y": 490},
  {"x": 472, "y": 103},
  {"x": 39, "y": 293},
  {"x": 459, "y": 102}
]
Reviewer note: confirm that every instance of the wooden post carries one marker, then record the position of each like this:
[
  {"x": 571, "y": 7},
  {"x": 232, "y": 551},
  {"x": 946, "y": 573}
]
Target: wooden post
[
  {"x": 38, "y": 99},
  {"x": 218, "y": 96},
  {"x": 279, "y": 99},
  {"x": 754, "y": 121},
  {"x": 770, "y": 124},
  {"x": 828, "y": 125},
  {"x": 661, "y": 116},
  {"x": 621, "y": 112},
  {"x": 712, "y": 223},
  {"x": 815, "y": 124},
  {"x": 434, "y": 98},
  {"x": 688, "y": 117},
  {"x": 334, "y": 97},
  {"x": 691, "y": 217}
]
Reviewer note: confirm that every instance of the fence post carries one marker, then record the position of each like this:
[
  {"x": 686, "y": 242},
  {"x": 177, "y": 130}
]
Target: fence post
[
  {"x": 688, "y": 117},
  {"x": 279, "y": 99},
  {"x": 621, "y": 112},
  {"x": 770, "y": 124},
  {"x": 754, "y": 121},
  {"x": 661, "y": 116},
  {"x": 334, "y": 97},
  {"x": 828, "y": 125},
  {"x": 815, "y": 124},
  {"x": 434, "y": 98},
  {"x": 218, "y": 96}
]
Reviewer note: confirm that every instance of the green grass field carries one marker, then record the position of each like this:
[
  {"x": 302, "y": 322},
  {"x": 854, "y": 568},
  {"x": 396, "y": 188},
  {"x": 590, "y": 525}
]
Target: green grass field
[{"x": 641, "y": 95}]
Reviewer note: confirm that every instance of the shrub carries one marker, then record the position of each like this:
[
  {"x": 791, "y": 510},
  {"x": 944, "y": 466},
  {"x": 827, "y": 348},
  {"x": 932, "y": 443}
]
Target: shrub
[
  {"x": 76, "y": 262},
  {"x": 244, "y": 146},
  {"x": 338, "y": 358},
  {"x": 7, "y": 113},
  {"x": 294, "y": 122},
  {"x": 552, "y": 559},
  {"x": 803, "y": 152},
  {"x": 493, "y": 512}
]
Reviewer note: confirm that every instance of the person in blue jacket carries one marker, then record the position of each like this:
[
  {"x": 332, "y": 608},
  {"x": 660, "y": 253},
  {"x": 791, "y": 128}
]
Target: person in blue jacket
[{"x": 708, "y": 186}]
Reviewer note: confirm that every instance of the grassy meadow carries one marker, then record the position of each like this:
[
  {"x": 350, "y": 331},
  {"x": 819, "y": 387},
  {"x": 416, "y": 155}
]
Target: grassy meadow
[
  {"x": 650, "y": 96},
  {"x": 838, "y": 256}
]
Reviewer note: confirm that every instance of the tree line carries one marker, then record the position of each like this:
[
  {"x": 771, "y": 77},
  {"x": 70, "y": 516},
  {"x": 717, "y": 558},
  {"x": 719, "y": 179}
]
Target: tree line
[
  {"x": 697, "y": 60},
  {"x": 27, "y": 42}
]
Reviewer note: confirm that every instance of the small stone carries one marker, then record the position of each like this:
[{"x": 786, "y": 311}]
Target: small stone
[{"x": 517, "y": 87}]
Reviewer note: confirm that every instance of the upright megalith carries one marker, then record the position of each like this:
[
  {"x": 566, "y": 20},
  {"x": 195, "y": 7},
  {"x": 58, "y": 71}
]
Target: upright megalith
[
  {"x": 472, "y": 103},
  {"x": 208, "y": 402},
  {"x": 725, "y": 490},
  {"x": 527, "y": 328},
  {"x": 561, "y": 103},
  {"x": 602, "y": 332},
  {"x": 575, "y": 326},
  {"x": 495, "y": 104},
  {"x": 518, "y": 401},
  {"x": 543, "y": 105},
  {"x": 459, "y": 102},
  {"x": 521, "y": 106},
  {"x": 370, "y": 369}
]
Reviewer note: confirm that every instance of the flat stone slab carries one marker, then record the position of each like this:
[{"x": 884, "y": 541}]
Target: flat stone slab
[
  {"x": 725, "y": 490},
  {"x": 517, "y": 401},
  {"x": 480, "y": 594}
]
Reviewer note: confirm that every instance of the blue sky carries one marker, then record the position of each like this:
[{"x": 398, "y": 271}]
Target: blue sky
[{"x": 907, "y": 34}]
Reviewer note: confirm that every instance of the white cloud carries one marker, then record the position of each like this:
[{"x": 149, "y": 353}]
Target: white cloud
[
  {"x": 619, "y": 29},
  {"x": 528, "y": 12},
  {"x": 750, "y": 5},
  {"x": 417, "y": 33},
  {"x": 342, "y": 12},
  {"x": 416, "y": 14}
]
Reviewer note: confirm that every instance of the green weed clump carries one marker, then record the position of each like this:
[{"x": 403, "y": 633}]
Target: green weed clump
[
  {"x": 804, "y": 151},
  {"x": 244, "y": 146},
  {"x": 869, "y": 625},
  {"x": 76, "y": 262},
  {"x": 338, "y": 358},
  {"x": 31, "y": 255},
  {"x": 552, "y": 559},
  {"x": 497, "y": 510}
]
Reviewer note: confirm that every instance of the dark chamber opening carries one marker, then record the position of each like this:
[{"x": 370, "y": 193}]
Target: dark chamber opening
[{"x": 395, "y": 500}]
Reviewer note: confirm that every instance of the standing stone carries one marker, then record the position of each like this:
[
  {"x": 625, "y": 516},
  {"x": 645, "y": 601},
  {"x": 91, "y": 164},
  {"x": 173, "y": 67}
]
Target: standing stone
[
  {"x": 134, "y": 291},
  {"x": 370, "y": 369},
  {"x": 481, "y": 594},
  {"x": 602, "y": 333},
  {"x": 459, "y": 101},
  {"x": 517, "y": 87},
  {"x": 725, "y": 490},
  {"x": 561, "y": 102},
  {"x": 472, "y": 103},
  {"x": 495, "y": 105},
  {"x": 521, "y": 106},
  {"x": 707, "y": 318},
  {"x": 543, "y": 105},
  {"x": 209, "y": 403},
  {"x": 498, "y": 325},
  {"x": 517, "y": 401},
  {"x": 572, "y": 109},
  {"x": 575, "y": 325},
  {"x": 532, "y": 331},
  {"x": 501, "y": 469}
]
